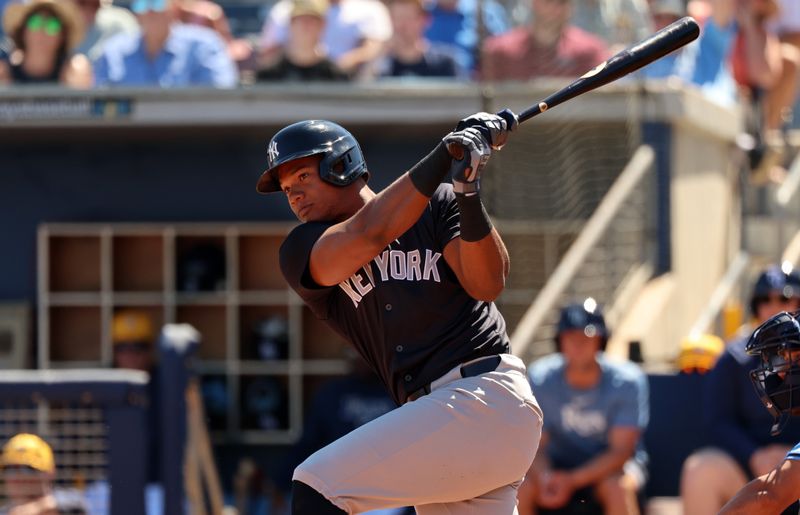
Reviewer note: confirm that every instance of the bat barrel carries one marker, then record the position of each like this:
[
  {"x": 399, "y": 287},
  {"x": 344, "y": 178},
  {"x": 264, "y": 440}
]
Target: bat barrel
[{"x": 666, "y": 40}]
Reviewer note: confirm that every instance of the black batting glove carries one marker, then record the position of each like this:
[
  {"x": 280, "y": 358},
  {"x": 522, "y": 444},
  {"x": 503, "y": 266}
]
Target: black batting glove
[
  {"x": 494, "y": 127},
  {"x": 470, "y": 152}
]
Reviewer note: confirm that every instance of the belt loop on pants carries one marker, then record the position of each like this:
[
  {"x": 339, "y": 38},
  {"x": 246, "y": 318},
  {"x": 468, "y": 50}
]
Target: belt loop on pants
[{"x": 475, "y": 368}]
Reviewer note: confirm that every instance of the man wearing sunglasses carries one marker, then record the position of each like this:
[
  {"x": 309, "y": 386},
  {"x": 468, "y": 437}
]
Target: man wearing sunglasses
[
  {"x": 44, "y": 34},
  {"x": 733, "y": 415},
  {"x": 165, "y": 53}
]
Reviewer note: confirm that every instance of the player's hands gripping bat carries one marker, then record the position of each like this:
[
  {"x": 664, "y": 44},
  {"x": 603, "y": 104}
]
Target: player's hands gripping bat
[
  {"x": 493, "y": 127},
  {"x": 470, "y": 152}
]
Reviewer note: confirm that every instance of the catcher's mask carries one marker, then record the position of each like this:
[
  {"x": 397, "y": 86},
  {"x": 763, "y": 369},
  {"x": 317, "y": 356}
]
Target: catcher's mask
[{"x": 776, "y": 342}]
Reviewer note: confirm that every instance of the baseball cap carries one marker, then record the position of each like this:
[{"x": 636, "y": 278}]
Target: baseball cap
[
  {"x": 131, "y": 326},
  {"x": 699, "y": 352},
  {"x": 28, "y": 450},
  {"x": 317, "y": 8}
]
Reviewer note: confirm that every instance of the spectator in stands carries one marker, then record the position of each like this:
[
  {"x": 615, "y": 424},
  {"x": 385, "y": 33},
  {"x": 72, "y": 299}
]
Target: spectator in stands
[
  {"x": 44, "y": 34},
  {"x": 132, "y": 338},
  {"x": 164, "y": 53},
  {"x": 355, "y": 32},
  {"x": 209, "y": 14},
  {"x": 734, "y": 38},
  {"x": 620, "y": 23},
  {"x": 735, "y": 420},
  {"x": 456, "y": 23},
  {"x": 779, "y": 104},
  {"x": 28, "y": 475},
  {"x": 304, "y": 58},
  {"x": 596, "y": 411},
  {"x": 664, "y": 12},
  {"x": 102, "y": 20},
  {"x": 549, "y": 46},
  {"x": 408, "y": 53}
]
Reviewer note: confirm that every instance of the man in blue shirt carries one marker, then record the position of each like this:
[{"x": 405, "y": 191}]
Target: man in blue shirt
[
  {"x": 165, "y": 53},
  {"x": 595, "y": 413},
  {"x": 776, "y": 346},
  {"x": 455, "y": 23}
]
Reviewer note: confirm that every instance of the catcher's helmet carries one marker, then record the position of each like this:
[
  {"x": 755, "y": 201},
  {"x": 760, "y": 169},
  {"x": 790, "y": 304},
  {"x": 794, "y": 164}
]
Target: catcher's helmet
[
  {"x": 585, "y": 316},
  {"x": 776, "y": 379},
  {"x": 776, "y": 279},
  {"x": 342, "y": 161}
]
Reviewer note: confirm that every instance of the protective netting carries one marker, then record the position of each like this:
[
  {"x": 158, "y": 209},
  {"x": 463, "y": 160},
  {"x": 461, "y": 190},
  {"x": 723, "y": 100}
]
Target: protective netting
[
  {"x": 77, "y": 434},
  {"x": 544, "y": 186}
]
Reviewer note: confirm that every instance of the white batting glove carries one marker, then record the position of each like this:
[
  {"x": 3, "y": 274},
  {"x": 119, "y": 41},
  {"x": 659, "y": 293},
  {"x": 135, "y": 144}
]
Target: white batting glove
[
  {"x": 474, "y": 152},
  {"x": 494, "y": 127}
]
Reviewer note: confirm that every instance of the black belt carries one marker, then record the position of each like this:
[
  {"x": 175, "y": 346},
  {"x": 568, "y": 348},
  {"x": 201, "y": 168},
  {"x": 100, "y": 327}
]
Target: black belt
[{"x": 482, "y": 366}]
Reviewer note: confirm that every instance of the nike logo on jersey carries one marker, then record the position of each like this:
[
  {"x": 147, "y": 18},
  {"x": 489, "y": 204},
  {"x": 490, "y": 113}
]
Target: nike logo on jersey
[{"x": 395, "y": 265}]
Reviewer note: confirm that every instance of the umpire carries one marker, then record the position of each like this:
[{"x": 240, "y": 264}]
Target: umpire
[{"x": 408, "y": 276}]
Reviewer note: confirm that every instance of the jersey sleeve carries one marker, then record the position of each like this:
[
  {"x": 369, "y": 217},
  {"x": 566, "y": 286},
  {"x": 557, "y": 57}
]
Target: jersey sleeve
[
  {"x": 794, "y": 454},
  {"x": 295, "y": 254},
  {"x": 634, "y": 406},
  {"x": 445, "y": 211}
]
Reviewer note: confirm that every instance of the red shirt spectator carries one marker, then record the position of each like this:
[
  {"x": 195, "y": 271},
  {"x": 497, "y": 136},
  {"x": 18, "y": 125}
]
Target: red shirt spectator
[
  {"x": 517, "y": 55},
  {"x": 549, "y": 46}
]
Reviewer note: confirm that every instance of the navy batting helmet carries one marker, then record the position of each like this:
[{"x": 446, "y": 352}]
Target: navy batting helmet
[
  {"x": 777, "y": 379},
  {"x": 585, "y": 316},
  {"x": 783, "y": 280},
  {"x": 342, "y": 161}
]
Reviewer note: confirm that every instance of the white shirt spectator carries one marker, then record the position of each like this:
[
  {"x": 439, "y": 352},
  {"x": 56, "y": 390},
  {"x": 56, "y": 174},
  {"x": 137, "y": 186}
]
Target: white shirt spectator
[{"x": 346, "y": 25}]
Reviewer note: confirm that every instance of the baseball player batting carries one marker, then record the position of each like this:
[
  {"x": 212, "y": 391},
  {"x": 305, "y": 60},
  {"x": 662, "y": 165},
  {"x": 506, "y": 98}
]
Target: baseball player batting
[{"x": 408, "y": 276}]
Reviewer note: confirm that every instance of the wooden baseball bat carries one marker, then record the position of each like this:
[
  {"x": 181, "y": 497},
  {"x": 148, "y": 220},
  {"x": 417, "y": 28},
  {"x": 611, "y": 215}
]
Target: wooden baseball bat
[{"x": 666, "y": 40}]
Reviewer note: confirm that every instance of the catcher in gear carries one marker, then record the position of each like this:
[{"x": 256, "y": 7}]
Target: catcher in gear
[
  {"x": 776, "y": 343},
  {"x": 408, "y": 276}
]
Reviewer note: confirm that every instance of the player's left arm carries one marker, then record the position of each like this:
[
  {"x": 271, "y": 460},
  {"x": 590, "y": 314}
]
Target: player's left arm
[
  {"x": 767, "y": 494},
  {"x": 481, "y": 266},
  {"x": 479, "y": 257}
]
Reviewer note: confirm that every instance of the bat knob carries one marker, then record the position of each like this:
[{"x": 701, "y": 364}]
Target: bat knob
[{"x": 512, "y": 121}]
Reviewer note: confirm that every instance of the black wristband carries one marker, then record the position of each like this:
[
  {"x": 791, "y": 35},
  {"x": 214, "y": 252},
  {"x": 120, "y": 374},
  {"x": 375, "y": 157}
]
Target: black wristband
[
  {"x": 475, "y": 223},
  {"x": 429, "y": 173}
]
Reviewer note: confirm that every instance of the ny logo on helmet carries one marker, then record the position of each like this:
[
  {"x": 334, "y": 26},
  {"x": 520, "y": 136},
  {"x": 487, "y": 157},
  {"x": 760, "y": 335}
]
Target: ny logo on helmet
[{"x": 272, "y": 151}]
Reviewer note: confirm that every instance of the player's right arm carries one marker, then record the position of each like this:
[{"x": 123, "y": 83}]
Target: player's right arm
[
  {"x": 347, "y": 246},
  {"x": 771, "y": 493}
]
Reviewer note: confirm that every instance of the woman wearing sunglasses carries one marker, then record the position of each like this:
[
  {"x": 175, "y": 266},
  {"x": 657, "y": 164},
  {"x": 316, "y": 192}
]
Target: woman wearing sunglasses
[{"x": 44, "y": 33}]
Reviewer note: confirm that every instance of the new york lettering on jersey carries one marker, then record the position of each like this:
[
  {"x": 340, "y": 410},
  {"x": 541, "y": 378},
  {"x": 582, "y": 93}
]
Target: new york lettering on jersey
[{"x": 396, "y": 265}]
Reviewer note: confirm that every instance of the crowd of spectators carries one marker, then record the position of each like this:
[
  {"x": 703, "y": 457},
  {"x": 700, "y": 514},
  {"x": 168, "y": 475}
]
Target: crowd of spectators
[
  {"x": 748, "y": 53},
  {"x": 747, "y": 49}
]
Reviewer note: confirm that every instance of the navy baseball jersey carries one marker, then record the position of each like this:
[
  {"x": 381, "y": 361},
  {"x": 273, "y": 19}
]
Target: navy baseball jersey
[{"x": 405, "y": 311}]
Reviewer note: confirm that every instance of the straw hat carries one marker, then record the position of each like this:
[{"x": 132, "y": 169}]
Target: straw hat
[{"x": 16, "y": 13}]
